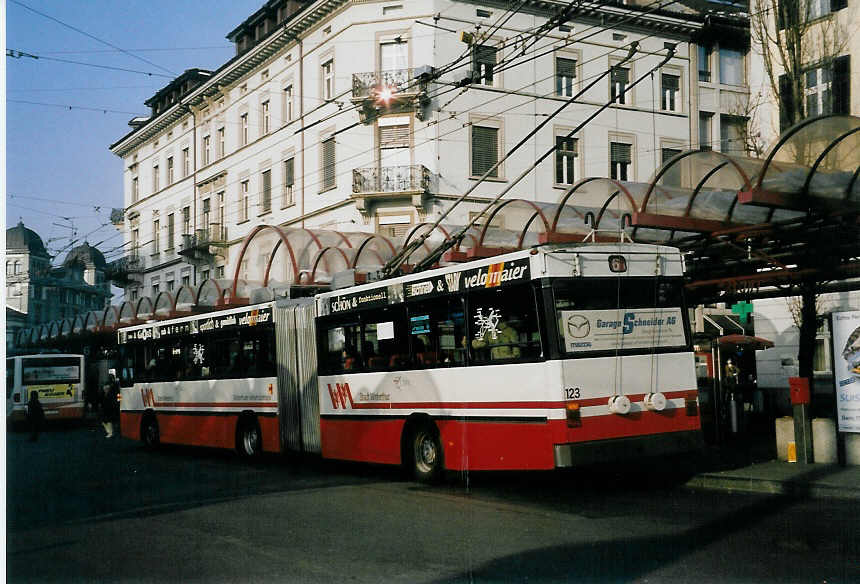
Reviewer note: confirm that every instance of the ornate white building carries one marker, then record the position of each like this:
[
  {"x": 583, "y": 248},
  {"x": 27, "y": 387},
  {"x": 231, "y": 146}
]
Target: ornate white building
[{"x": 357, "y": 115}]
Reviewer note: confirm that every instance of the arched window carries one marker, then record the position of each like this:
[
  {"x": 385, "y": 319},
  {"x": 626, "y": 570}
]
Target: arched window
[{"x": 17, "y": 267}]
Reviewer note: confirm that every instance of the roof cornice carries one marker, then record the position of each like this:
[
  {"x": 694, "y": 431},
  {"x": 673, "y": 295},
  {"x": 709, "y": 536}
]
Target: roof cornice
[{"x": 230, "y": 72}]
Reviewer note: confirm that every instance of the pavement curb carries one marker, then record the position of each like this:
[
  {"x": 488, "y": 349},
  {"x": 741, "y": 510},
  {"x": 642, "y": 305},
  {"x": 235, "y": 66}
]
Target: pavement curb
[{"x": 785, "y": 487}]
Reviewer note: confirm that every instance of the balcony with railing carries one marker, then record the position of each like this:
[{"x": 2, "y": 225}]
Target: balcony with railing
[
  {"x": 127, "y": 269},
  {"x": 385, "y": 92},
  {"x": 390, "y": 182},
  {"x": 203, "y": 244}
]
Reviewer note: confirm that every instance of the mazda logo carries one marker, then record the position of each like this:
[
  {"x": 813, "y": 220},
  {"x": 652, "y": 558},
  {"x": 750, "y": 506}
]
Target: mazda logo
[{"x": 578, "y": 326}]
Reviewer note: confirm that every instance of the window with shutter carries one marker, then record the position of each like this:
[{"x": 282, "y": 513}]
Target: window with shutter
[
  {"x": 328, "y": 163},
  {"x": 289, "y": 180},
  {"x": 670, "y": 95},
  {"x": 619, "y": 78},
  {"x": 705, "y": 120},
  {"x": 394, "y": 136},
  {"x": 266, "y": 194},
  {"x": 842, "y": 84},
  {"x": 485, "y": 150},
  {"x": 672, "y": 177},
  {"x": 565, "y": 160},
  {"x": 620, "y": 157},
  {"x": 565, "y": 75},
  {"x": 484, "y": 62}
]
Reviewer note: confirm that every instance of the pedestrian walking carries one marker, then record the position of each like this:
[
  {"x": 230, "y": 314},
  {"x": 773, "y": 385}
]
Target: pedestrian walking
[
  {"x": 110, "y": 405},
  {"x": 35, "y": 415}
]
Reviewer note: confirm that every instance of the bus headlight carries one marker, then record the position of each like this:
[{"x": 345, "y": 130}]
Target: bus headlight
[
  {"x": 656, "y": 402},
  {"x": 619, "y": 404}
]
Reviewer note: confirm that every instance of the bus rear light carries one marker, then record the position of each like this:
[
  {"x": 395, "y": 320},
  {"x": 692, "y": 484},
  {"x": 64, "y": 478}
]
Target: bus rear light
[
  {"x": 691, "y": 403},
  {"x": 574, "y": 418},
  {"x": 619, "y": 404}
]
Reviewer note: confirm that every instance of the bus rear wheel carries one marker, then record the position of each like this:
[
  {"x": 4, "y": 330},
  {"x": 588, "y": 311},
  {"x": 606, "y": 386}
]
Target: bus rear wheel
[
  {"x": 249, "y": 439},
  {"x": 149, "y": 433},
  {"x": 426, "y": 453}
]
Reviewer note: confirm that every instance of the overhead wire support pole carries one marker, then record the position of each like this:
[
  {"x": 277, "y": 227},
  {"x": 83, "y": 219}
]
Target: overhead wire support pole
[
  {"x": 395, "y": 262},
  {"x": 434, "y": 255}
]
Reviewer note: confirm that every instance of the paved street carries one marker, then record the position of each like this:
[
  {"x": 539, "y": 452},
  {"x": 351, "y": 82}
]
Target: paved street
[{"x": 82, "y": 508}]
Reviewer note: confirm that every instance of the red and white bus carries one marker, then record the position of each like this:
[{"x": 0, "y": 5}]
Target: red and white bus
[
  {"x": 58, "y": 379},
  {"x": 543, "y": 358}
]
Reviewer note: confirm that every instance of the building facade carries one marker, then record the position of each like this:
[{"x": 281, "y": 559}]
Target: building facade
[
  {"x": 40, "y": 293},
  {"x": 374, "y": 116},
  {"x": 826, "y": 80},
  {"x": 818, "y": 77}
]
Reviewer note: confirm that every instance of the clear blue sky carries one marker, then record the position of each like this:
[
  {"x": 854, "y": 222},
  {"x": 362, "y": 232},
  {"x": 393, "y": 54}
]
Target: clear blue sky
[{"x": 58, "y": 166}]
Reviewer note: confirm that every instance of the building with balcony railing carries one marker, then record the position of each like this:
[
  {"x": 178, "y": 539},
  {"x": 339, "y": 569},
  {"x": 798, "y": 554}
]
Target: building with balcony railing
[{"x": 374, "y": 116}]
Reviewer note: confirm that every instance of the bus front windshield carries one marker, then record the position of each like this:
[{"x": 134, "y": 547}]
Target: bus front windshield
[{"x": 621, "y": 313}]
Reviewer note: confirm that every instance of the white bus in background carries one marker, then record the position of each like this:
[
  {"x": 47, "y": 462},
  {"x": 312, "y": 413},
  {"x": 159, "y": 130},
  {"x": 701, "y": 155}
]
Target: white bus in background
[
  {"x": 58, "y": 379},
  {"x": 538, "y": 359}
]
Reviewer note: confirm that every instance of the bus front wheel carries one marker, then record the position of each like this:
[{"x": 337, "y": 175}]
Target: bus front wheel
[
  {"x": 426, "y": 450},
  {"x": 149, "y": 432}
]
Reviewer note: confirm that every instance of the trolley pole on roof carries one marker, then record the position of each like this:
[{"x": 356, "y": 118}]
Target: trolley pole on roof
[
  {"x": 395, "y": 262},
  {"x": 434, "y": 255}
]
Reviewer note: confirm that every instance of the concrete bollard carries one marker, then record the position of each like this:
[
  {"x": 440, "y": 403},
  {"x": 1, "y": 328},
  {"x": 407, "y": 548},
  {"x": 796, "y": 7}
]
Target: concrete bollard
[
  {"x": 852, "y": 449},
  {"x": 784, "y": 435},
  {"x": 824, "y": 440}
]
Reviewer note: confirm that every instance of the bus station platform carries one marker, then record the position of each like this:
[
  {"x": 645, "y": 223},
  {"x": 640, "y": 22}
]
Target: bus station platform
[{"x": 753, "y": 467}]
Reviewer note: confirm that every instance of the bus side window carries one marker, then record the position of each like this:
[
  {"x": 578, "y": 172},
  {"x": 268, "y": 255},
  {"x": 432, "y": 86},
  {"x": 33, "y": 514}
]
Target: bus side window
[
  {"x": 438, "y": 332},
  {"x": 504, "y": 324},
  {"x": 385, "y": 336},
  {"x": 338, "y": 347}
]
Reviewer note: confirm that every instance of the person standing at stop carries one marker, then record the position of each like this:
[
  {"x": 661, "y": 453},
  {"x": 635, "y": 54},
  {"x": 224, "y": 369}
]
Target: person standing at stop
[{"x": 35, "y": 415}]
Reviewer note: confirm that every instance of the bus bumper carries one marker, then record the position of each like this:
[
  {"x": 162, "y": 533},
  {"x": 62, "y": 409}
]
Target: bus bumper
[{"x": 620, "y": 449}]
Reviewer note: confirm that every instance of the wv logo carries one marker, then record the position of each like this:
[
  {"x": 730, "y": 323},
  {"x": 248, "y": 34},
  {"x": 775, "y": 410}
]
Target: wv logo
[
  {"x": 340, "y": 394},
  {"x": 453, "y": 281},
  {"x": 148, "y": 397}
]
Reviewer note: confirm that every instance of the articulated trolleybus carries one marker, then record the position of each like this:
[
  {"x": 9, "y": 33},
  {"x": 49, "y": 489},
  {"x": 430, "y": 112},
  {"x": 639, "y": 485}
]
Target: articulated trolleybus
[{"x": 538, "y": 359}]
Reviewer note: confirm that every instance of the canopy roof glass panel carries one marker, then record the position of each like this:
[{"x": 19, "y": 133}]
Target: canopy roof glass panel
[{"x": 811, "y": 147}]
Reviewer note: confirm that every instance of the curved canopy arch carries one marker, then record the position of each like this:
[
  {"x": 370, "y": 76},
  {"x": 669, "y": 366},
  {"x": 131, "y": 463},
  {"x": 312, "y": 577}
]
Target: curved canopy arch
[
  {"x": 323, "y": 268},
  {"x": 54, "y": 330},
  {"x": 44, "y": 332},
  {"x": 128, "y": 313},
  {"x": 812, "y": 165},
  {"x": 291, "y": 267},
  {"x": 240, "y": 296},
  {"x": 496, "y": 237},
  {"x": 144, "y": 309},
  {"x": 186, "y": 299},
  {"x": 110, "y": 318},
  {"x": 79, "y": 324},
  {"x": 165, "y": 305},
  {"x": 210, "y": 293},
  {"x": 372, "y": 252},
  {"x": 66, "y": 327},
  {"x": 93, "y": 320}
]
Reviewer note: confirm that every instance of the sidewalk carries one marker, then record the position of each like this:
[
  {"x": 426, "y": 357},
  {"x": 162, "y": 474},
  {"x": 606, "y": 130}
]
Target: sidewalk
[{"x": 750, "y": 465}]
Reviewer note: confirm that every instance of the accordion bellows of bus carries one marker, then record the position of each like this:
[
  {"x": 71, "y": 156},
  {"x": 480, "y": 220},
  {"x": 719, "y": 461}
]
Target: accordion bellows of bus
[{"x": 543, "y": 358}]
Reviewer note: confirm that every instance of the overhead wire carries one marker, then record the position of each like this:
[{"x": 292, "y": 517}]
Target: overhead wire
[{"x": 95, "y": 38}]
